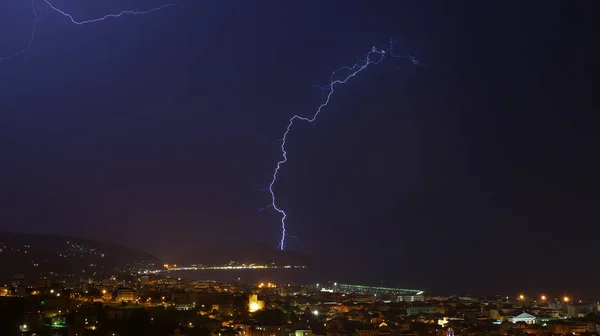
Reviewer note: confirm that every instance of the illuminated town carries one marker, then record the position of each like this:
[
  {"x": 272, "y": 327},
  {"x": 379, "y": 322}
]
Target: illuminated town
[{"x": 156, "y": 304}]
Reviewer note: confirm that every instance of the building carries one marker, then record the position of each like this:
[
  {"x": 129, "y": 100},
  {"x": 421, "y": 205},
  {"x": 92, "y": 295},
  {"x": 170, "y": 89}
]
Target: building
[
  {"x": 126, "y": 294},
  {"x": 180, "y": 296},
  {"x": 580, "y": 309},
  {"x": 422, "y": 310},
  {"x": 254, "y": 304},
  {"x": 523, "y": 317},
  {"x": 18, "y": 284},
  {"x": 502, "y": 315},
  {"x": 106, "y": 295},
  {"x": 410, "y": 298},
  {"x": 18, "y": 281}
]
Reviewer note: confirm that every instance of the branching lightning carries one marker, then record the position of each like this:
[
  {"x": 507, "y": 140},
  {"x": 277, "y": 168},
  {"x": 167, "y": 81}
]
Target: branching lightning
[
  {"x": 109, "y": 16},
  {"x": 340, "y": 76},
  {"x": 37, "y": 15}
]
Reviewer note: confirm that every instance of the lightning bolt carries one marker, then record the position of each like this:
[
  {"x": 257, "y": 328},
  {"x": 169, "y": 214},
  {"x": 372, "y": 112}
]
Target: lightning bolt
[
  {"x": 37, "y": 16},
  {"x": 109, "y": 16},
  {"x": 340, "y": 76}
]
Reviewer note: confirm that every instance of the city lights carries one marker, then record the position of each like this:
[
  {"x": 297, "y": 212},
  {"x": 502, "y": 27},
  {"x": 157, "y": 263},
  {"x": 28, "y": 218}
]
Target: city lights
[
  {"x": 261, "y": 299},
  {"x": 222, "y": 267},
  {"x": 254, "y": 306},
  {"x": 268, "y": 285}
]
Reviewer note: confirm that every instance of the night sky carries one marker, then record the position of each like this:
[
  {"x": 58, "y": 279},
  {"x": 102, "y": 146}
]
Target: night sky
[{"x": 479, "y": 172}]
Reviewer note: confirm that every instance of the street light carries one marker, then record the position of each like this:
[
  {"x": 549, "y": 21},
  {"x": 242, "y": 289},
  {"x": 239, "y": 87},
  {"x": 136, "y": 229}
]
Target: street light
[
  {"x": 521, "y": 297},
  {"x": 566, "y": 299},
  {"x": 543, "y": 297}
]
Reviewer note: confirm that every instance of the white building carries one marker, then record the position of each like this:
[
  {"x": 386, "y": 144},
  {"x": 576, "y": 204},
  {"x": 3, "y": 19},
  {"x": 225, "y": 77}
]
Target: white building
[{"x": 523, "y": 317}]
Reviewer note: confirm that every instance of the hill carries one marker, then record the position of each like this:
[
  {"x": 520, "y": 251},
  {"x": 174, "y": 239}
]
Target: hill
[{"x": 39, "y": 255}]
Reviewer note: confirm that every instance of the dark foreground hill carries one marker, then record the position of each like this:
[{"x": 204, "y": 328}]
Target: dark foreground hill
[{"x": 39, "y": 255}]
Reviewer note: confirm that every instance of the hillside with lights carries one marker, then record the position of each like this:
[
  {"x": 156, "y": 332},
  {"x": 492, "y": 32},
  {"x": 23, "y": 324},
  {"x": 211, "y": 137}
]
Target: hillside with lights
[{"x": 67, "y": 257}]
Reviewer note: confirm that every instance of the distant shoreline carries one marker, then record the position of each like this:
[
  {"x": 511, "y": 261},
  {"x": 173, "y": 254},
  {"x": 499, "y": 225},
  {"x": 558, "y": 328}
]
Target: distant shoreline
[{"x": 280, "y": 276}]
